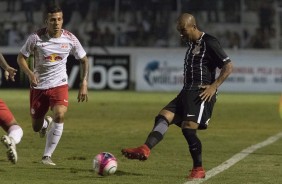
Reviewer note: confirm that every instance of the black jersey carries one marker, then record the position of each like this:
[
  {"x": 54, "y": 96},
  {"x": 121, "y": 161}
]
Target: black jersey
[{"x": 201, "y": 60}]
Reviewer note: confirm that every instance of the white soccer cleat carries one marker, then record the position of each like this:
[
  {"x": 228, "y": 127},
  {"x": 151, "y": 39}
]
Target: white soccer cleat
[
  {"x": 11, "y": 148},
  {"x": 46, "y": 160},
  {"x": 44, "y": 131}
]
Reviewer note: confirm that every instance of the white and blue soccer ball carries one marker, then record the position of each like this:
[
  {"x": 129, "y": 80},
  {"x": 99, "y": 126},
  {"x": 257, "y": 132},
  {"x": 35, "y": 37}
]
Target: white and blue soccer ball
[{"x": 105, "y": 164}]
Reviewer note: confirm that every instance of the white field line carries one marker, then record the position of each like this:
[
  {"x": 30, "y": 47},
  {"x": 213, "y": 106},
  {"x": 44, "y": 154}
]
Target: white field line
[{"x": 236, "y": 158}]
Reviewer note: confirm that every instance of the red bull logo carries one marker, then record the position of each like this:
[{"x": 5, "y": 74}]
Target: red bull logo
[
  {"x": 53, "y": 58},
  {"x": 64, "y": 46}
]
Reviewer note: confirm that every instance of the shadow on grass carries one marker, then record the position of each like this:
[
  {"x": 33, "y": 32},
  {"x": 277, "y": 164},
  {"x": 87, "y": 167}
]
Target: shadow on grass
[
  {"x": 76, "y": 158},
  {"x": 122, "y": 173},
  {"x": 76, "y": 170},
  {"x": 117, "y": 174}
]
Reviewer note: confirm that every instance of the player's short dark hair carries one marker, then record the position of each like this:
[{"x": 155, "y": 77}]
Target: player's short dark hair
[{"x": 54, "y": 8}]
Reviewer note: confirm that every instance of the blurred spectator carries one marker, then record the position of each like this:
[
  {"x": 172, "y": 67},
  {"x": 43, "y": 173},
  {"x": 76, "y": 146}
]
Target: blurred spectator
[
  {"x": 121, "y": 37},
  {"x": 28, "y": 7},
  {"x": 259, "y": 40},
  {"x": 68, "y": 7},
  {"x": 234, "y": 40},
  {"x": 108, "y": 37},
  {"x": 11, "y": 5},
  {"x": 95, "y": 36},
  {"x": 211, "y": 6},
  {"x": 83, "y": 7},
  {"x": 192, "y": 6},
  {"x": 15, "y": 37},
  {"x": 106, "y": 10},
  {"x": 3, "y": 35},
  {"x": 131, "y": 32},
  {"x": 148, "y": 23},
  {"x": 266, "y": 15},
  {"x": 231, "y": 11},
  {"x": 229, "y": 39},
  {"x": 30, "y": 28},
  {"x": 141, "y": 37},
  {"x": 245, "y": 38},
  {"x": 272, "y": 38}
]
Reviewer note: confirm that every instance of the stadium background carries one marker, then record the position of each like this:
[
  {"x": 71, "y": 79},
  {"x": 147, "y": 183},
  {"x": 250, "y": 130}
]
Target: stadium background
[
  {"x": 125, "y": 38},
  {"x": 114, "y": 119}
]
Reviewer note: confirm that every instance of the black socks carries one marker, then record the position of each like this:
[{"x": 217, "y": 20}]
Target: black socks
[
  {"x": 153, "y": 139},
  {"x": 195, "y": 146}
]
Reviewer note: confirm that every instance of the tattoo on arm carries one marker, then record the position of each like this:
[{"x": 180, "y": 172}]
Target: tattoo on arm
[
  {"x": 224, "y": 73},
  {"x": 84, "y": 68}
]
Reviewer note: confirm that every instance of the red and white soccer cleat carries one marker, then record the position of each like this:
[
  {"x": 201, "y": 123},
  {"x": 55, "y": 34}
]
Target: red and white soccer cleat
[
  {"x": 140, "y": 153},
  {"x": 197, "y": 173}
]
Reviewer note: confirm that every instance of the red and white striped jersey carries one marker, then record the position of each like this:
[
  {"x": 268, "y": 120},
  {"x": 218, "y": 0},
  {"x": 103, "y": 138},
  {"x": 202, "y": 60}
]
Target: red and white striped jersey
[{"x": 50, "y": 56}]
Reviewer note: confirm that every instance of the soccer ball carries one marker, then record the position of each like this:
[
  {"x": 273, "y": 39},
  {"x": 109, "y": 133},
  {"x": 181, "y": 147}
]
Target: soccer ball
[{"x": 105, "y": 164}]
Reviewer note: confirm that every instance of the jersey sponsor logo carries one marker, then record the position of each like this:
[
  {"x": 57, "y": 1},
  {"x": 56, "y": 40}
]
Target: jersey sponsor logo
[
  {"x": 64, "y": 46},
  {"x": 53, "y": 58},
  {"x": 196, "y": 50}
]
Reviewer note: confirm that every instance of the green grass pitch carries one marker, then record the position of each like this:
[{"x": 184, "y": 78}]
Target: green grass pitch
[{"x": 110, "y": 121}]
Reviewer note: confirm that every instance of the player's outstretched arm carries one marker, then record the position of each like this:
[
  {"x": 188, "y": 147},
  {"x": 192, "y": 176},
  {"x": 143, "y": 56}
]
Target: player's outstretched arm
[
  {"x": 83, "y": 87},
  {"x": 10, "y": 72}
]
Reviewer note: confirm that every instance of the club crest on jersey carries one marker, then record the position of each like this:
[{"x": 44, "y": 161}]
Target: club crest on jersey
[
  {"x": 196, "y": 50},
  {"x": 53, "y": 58},
  {"x": 64, "y": 46}
]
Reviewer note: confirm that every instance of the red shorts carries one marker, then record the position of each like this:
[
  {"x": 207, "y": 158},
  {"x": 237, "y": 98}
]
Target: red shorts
[
  {"x": 41, "y": 100},
  {"x": 6, "y": 115}
]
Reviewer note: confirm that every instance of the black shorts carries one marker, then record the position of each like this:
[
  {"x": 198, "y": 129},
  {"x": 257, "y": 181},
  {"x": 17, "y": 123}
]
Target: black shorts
[{"x": 188, "y": 106}]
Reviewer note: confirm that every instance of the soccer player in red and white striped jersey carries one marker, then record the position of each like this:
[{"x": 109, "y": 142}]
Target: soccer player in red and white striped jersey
[
  {"x": 7, "y": 119},
  {"x": 49, "y": 81}
]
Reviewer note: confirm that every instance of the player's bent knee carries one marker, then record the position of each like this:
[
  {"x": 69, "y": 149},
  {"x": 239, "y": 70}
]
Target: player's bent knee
[
  {"x": 188, "y": 132},
  {"x": 166, "y": 115},
  {"x": 189, "y": 125},
  {"x": 59, "y": 117},
  {"x": 160, "y": 117}
]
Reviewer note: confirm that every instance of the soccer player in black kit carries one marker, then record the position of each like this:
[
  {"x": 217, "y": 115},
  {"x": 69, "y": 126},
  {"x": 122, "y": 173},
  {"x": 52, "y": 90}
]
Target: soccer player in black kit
[{"x": 192, "y": 108}]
